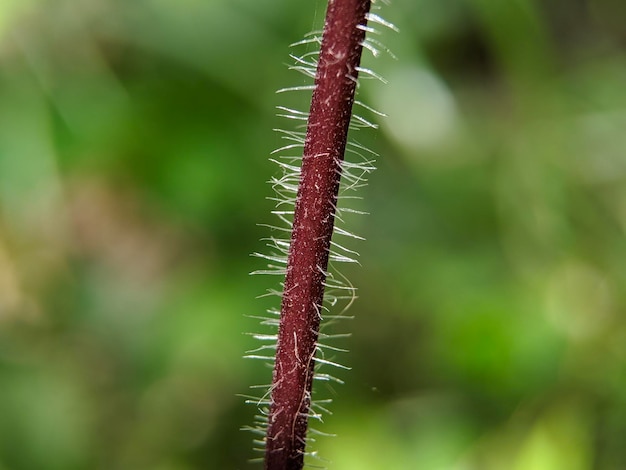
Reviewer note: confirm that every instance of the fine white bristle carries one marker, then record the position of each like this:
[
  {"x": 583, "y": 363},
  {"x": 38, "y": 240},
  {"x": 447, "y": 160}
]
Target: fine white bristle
[{"x": 339, "y": 292}]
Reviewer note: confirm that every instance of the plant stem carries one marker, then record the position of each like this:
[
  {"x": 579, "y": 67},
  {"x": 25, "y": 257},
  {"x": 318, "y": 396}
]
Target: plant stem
[{"x": 327, "y": 129}]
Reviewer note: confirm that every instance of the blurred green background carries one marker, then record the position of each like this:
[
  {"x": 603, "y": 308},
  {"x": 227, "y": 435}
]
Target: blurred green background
[{"x": 134, "y": 142}]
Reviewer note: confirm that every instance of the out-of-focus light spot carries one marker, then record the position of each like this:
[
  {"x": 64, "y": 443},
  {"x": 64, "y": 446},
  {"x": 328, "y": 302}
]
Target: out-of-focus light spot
[
  {"x": 422, "y": 114},
  {"x": 9, "y": 11},
  {"x": 559, "y": 439},
  {"x": 579, "y": 301},
  {"x": 601, "y": 142}
]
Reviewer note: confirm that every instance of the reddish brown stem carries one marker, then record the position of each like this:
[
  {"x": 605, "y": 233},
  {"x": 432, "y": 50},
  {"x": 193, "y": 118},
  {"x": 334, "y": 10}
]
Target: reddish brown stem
[{"x": 329, "y": 118}]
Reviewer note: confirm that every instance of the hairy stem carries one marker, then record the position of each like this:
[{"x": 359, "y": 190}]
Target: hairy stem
[{"x": 329, "y": 118}]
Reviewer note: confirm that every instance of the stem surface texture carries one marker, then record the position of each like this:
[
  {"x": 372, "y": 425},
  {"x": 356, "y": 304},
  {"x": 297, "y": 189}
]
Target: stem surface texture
[{"x": 327, "y": 129}]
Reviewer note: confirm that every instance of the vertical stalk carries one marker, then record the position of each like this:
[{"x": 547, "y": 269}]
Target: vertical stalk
[{"x": 327, "y": 129}]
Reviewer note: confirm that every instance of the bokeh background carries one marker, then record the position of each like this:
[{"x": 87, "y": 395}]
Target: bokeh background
[{"x": 134, "y": 140}]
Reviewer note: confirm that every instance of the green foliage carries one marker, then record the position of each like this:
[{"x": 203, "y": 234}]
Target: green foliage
[{"x": 134, "y": 139}]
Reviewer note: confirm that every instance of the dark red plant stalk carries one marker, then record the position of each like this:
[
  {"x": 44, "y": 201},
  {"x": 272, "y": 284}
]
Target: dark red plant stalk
[{"x": 325, "y": 144}]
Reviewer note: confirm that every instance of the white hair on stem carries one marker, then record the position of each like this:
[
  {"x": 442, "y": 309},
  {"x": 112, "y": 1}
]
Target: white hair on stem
[{"x": 339, "y": 293}]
